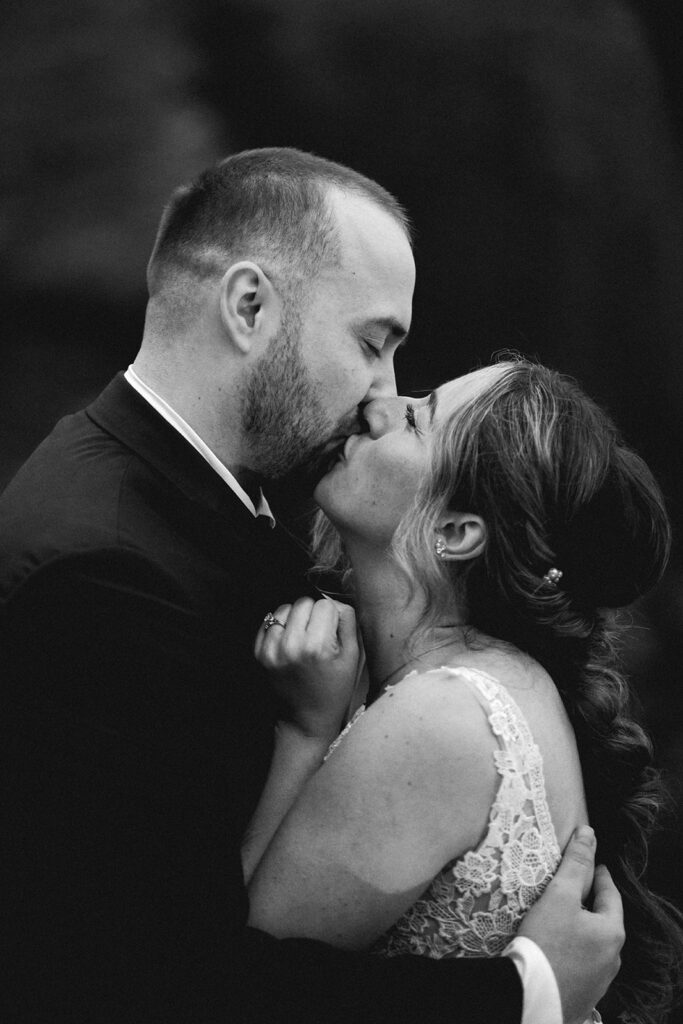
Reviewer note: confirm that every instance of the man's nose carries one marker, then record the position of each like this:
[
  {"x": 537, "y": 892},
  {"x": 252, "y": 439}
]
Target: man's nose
[
  {"x": 384, "y": 380},
  {"x": 384, "y": 414}
]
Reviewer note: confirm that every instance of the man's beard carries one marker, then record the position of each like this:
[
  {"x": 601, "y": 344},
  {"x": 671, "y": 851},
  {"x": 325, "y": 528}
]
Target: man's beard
[{"x": 284, "y": 419}]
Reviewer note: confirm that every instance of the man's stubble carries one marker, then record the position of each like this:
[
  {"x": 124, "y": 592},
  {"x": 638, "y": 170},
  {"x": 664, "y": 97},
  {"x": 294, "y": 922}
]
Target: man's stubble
[{"x": 284, "y": 416}]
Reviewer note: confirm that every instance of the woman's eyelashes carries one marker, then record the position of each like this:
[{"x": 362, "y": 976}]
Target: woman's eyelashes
[{"x": 410, "y": 417}]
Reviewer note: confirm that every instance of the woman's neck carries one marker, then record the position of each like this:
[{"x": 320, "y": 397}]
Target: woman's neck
[{"x": 389, "y": 614}]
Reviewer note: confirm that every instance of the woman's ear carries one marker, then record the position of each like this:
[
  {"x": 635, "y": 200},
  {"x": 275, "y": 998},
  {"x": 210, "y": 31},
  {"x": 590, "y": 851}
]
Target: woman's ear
[
  {"x": 250, "y": 307},
  {"x": 461, "y": 536}
]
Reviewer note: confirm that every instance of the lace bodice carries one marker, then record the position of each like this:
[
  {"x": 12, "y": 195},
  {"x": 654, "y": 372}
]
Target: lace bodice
[{"x": 475, "y": 904}]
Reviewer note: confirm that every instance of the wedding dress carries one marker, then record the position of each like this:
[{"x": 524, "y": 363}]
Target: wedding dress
[{"x": 475, "y": 904}]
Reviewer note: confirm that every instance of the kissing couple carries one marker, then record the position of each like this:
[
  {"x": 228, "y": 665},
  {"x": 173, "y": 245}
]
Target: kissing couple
[{"x": 191, "y": 838}]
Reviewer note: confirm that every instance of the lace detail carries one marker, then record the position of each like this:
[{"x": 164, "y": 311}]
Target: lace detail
[{"x": 475, "y": 904}]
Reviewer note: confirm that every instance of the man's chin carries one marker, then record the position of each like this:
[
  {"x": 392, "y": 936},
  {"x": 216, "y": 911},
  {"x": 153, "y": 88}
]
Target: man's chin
[
  {"x": 294, "y": 489},
  {"x": 317, "y": 466},
  {"x": 296, "y": 485}
]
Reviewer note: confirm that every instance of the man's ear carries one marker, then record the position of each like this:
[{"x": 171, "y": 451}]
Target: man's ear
[
  {"x": 463, "y": 536},
  {"x": 250, "y": 307}
]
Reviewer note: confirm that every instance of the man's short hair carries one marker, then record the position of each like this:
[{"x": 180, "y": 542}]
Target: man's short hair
[{"x": 267, "y": 205}]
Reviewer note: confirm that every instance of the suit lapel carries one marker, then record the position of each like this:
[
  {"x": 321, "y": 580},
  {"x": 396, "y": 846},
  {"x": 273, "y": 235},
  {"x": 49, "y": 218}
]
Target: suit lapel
[{"x": 122, "y": 412}]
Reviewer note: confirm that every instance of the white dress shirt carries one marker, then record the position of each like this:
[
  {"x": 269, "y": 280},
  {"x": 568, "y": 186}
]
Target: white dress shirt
[{"x": 541, "y": 995}]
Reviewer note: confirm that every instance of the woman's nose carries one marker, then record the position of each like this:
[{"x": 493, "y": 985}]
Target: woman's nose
[{"x": 384, "y": 414}]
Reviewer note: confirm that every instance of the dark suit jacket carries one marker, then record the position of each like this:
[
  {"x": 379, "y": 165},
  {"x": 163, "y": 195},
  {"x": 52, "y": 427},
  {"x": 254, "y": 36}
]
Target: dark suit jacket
[{"x": 136, "y": 736}]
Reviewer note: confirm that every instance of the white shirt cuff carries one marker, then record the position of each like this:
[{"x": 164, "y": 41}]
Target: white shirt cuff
[{"x": 542, "y": 1003}]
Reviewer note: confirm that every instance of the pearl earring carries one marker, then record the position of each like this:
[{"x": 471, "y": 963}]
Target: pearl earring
[{"x": 440, "y": 547}]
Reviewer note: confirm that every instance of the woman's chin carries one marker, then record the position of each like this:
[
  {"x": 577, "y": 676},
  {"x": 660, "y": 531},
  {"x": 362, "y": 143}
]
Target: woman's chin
[{"x": 324, "y": 489}]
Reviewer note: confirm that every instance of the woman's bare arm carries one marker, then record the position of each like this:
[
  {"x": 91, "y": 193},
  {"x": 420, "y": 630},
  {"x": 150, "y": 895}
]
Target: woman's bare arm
[
  {"x": 312, "y": 655},
  {"x": 408, "y": 790}
]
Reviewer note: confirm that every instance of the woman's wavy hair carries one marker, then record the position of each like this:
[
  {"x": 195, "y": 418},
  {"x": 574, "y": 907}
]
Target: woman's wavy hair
[{"x": 546, "y": 469}]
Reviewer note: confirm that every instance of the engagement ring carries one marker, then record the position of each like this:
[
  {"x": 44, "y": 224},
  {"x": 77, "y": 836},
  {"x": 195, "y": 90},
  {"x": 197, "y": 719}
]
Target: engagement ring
[{"x": 270, "y": 620}]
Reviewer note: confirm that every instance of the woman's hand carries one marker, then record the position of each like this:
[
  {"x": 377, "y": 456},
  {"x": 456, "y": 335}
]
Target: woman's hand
[
  {"x": 312, "y": 659},
  {"x": 311, "y": 651}
]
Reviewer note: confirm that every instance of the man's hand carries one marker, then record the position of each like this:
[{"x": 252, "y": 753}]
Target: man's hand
[{"x": 582, "y": 946}]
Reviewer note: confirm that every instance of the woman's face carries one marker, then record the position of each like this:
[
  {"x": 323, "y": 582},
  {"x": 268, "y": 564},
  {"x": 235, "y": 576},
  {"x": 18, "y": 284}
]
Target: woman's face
[{"x": 375, "y": 480}]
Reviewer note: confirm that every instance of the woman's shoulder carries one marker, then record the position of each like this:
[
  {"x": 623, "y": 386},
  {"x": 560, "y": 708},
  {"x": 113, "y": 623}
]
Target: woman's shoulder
[
  {"x": 481, "y": 668},
  {"x": 427, "y": 746},
  {"x": 433, "y": 719},
  {"x": 436, "y": 720},
  {"x": 438, "y": 698},
  {"x": 533, "y": 699},
  {"x": 458, "y": 701},
  {"x": 522, "y": 677},
  {"x": 450, "y": 706}
]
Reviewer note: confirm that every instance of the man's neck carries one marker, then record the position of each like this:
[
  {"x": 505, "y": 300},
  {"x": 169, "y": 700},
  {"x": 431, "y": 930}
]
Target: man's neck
[
  {"x": 245, "y": 483},
  {"x": 208, "y": 414}
]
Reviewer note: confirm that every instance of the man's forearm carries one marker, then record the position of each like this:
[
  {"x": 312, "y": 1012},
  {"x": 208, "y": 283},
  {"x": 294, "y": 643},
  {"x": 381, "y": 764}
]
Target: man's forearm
[{"x": 310, "y": 982}]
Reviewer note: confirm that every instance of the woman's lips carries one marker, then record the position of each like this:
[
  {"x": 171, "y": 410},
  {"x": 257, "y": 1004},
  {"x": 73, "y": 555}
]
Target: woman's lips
[
  {"x": 351, "y": 441},
  {"x": 342, "y": 452}
]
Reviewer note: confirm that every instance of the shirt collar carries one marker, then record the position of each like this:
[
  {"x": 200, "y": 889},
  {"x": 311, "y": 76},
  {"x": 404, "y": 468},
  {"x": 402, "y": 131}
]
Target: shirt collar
[{"x": 192, "y": 437}]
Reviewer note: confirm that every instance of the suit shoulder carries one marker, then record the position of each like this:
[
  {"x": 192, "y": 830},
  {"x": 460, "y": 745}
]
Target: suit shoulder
[{"x": 64, "y": 502}]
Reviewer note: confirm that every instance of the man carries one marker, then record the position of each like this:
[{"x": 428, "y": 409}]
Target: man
[{"x": 137, "y": 558}]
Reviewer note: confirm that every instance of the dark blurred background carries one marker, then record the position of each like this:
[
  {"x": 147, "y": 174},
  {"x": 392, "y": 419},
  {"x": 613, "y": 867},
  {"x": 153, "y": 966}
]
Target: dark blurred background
[{"x": 538, "y": 145}]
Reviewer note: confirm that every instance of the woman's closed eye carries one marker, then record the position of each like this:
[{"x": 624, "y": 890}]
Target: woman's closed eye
[{"x": 410, "y": 417}]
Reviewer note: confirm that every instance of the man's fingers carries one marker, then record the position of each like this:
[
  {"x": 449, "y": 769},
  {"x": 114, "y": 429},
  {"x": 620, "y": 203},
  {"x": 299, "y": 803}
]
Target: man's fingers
[
  {"x": 578, "y": 863},
  {"x": 606, "y": 898}
]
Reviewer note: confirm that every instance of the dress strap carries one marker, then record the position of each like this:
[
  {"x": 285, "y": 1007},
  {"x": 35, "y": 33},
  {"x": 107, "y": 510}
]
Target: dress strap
[
  {"x": 519, "y": 754},
  {"x": 504, "y": 715},
  {"x": 488, "y": 692}
]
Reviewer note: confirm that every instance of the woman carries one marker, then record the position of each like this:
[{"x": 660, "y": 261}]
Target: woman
[{"x": 485, "y": 528}]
